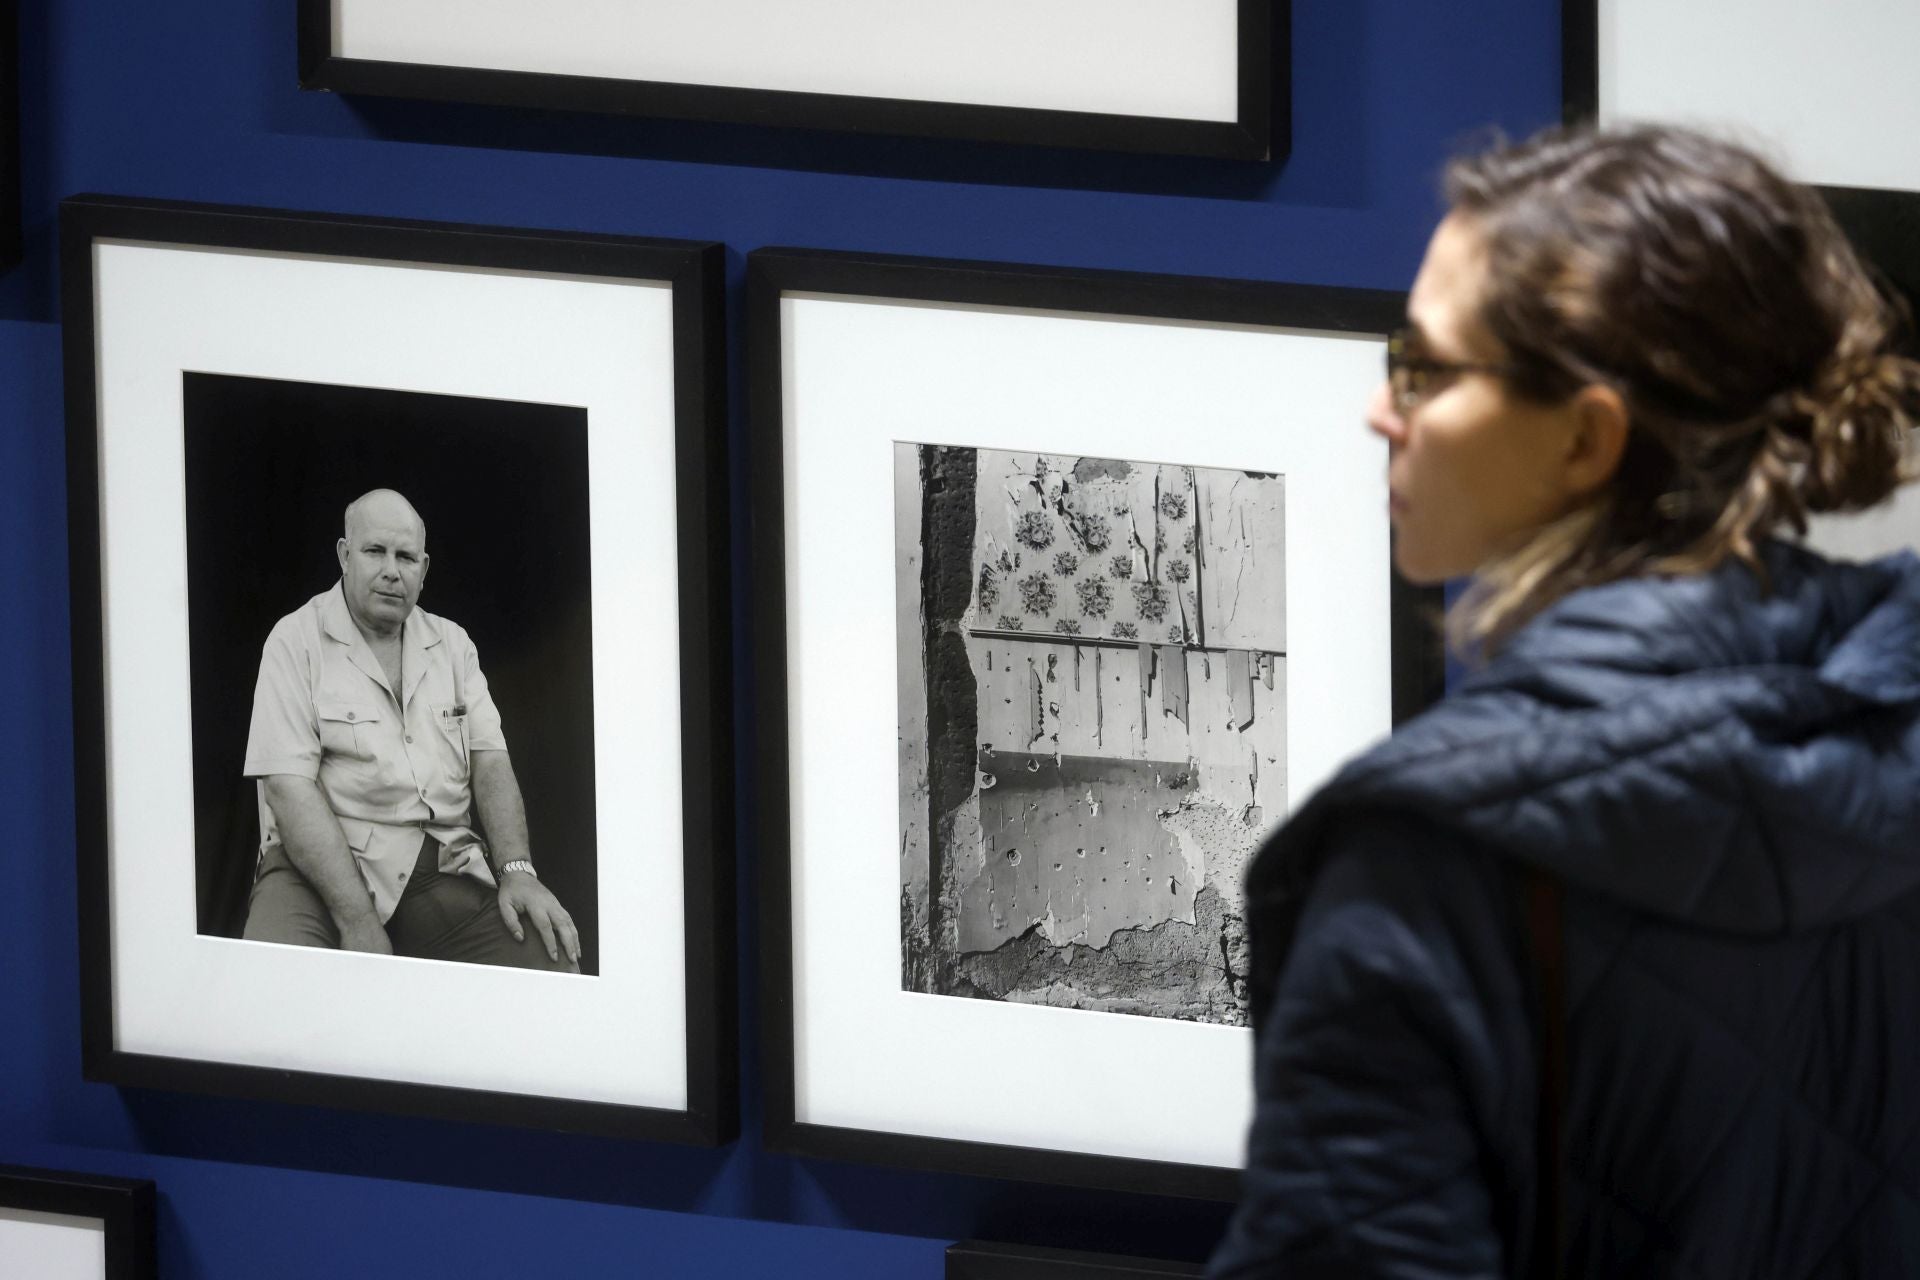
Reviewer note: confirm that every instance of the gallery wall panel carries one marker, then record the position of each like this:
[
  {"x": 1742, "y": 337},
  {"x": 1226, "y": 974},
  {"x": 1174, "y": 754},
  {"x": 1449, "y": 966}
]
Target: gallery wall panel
[{"x": 202, "y": 102}]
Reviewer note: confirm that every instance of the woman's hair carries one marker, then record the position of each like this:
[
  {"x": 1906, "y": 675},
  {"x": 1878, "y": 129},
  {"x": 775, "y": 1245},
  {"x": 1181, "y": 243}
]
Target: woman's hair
[{"x": 1755, "y": 357}]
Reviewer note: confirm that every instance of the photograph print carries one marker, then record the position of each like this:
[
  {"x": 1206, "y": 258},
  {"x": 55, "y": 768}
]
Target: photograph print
[
  {"x": 389, "y": 759},
  {"x": 1092, "y": 725},
  {"x": 390, "y": 543}
]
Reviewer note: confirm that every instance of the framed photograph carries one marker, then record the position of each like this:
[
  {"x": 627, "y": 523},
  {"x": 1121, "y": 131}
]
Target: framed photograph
[
  {"x": 1069, "y": 586},
  {"x": 1199, "y": 77},
  {"x": 401, "y": 696},
  {"x": 69, "y": 1226},
  {"x": 9, "y": 133},
  {"x": 1823, "y": 96},
  {"x": 980, "y": 1260}
]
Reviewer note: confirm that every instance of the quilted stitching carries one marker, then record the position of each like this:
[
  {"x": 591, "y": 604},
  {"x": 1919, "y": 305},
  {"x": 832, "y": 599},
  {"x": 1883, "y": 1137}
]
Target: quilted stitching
[{"x": 1723, "y": 814}]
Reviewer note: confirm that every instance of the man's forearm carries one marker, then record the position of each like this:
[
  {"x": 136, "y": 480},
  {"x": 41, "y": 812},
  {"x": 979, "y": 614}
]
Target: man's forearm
[
  {"x": 318, "y": 849},
  {"x": 496, "y": 798}
]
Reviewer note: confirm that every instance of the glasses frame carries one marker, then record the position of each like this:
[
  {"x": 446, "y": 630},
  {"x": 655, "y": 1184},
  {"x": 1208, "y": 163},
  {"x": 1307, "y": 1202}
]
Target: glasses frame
[{"x": 1403, "y": 369}]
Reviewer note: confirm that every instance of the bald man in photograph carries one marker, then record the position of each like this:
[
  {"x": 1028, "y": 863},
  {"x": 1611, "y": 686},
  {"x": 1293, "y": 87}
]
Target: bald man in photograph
[{"x": 380, "y": 760}]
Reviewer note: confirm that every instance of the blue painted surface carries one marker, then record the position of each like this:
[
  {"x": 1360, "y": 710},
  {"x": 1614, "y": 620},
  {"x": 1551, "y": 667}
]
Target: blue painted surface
[{"x": 196, "y": 101}]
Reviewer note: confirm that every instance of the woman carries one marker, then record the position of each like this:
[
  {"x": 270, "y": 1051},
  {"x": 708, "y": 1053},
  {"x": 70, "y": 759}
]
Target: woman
[{"x": 1609, "y": 965}]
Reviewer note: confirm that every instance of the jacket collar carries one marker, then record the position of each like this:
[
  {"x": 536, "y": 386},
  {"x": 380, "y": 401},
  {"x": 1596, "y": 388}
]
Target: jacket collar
[{"x": 1732, "y": 756}]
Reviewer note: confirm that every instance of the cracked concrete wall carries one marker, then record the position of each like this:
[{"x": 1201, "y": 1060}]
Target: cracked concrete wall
[
  {"x": 1077, "y": 847},
  {"x": 1125, "y": 642},
  {"x": 1174, "y": 969}
]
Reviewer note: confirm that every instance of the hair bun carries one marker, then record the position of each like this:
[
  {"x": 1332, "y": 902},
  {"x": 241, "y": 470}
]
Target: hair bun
[{"x": 1859, "y": 416}]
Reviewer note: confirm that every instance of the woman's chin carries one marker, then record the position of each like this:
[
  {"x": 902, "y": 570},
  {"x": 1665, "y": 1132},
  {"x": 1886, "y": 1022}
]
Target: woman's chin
[{"x": 1421, "y": 570}]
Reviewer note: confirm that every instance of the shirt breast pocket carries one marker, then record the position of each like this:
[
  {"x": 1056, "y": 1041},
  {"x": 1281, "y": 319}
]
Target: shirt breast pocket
[
  {"x": 451, "y": 718},
  {"x": 347, "y": 728}
]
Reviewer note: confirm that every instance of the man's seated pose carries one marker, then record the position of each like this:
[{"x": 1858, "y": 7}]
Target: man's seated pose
[{"x": 378, "y": 750}]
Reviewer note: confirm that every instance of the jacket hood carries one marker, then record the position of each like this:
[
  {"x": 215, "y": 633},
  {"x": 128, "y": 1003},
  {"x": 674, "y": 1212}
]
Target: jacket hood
[{"x": 1705, "y": 749}]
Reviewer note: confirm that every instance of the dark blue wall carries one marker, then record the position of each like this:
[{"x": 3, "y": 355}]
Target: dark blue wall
[{"x": 195, "y": 100}]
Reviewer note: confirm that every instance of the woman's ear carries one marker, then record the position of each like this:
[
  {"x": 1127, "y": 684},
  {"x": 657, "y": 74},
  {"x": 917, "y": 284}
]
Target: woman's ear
[{"x": 1598, "y": 440}]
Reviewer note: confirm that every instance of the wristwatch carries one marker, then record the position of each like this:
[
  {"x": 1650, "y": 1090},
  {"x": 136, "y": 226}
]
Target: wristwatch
[{"x": 518, "y": 864}]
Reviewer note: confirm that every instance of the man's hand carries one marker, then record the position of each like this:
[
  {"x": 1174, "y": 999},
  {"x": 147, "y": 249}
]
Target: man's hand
[
  {"x": 523, "y": 894},
  {"x": 318, "y": 850},
  {"x": 366, "y": 934}
]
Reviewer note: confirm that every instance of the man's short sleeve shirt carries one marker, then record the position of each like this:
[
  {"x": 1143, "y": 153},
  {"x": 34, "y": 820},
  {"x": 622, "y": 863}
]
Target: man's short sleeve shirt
[{"x": 391, "y": 763}]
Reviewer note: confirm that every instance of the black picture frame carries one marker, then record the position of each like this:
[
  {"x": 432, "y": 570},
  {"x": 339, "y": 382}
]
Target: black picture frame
[
  {"x": 1417, "y": 655},
  {"x": 124, "y": 1207},
  {"x": 1258, "y": 132},
  {"x": 1884, "y": 224},
  {"x": 694, "y": 272},
  {"x": 985, "y": 1260},
  {"x": 10, "y": 209}
]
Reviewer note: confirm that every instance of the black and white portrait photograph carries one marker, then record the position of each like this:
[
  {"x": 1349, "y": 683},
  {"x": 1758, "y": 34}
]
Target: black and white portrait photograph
[
  {"x": 398, "y": 555},
  {"x": 1092, "y": 726},
  {"x": 390, "y": 623}
]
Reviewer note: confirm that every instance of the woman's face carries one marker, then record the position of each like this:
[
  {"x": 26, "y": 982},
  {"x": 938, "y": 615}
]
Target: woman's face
[{"x": 1474, "y": 468}]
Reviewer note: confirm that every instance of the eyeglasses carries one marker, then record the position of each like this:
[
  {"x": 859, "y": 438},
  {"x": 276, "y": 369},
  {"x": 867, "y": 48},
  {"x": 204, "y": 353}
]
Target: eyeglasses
[{"x": 1414, "y": 378}]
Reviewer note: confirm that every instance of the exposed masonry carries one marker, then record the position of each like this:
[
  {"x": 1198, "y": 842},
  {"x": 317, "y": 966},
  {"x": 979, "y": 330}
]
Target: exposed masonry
[
  {"x": 1170, "y": 970},
  {"x": 1125, "y": 733}
]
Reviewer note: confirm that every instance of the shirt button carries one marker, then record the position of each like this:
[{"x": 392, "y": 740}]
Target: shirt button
[
  {"x": 403, "y": 875},
  {"x": 349, "y": 715},
  {"x": 409, "y": 739}
]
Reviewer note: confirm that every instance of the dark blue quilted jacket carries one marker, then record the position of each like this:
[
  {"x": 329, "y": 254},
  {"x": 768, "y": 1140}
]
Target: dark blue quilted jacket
[{"x": 1727, "y": 784}]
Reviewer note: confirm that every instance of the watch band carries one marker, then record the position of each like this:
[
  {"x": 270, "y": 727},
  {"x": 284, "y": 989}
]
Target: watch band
[{"x": 519, "y": 864}]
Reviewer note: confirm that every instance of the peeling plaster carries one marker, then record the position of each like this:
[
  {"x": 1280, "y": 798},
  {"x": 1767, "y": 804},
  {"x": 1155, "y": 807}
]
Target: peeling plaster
[
  {"x": 1175, "y": 969},
  {"x": 1079, "y": 859}
]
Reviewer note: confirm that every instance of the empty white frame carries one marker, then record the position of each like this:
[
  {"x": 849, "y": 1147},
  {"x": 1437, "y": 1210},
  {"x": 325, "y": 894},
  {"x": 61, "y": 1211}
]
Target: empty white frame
[
  {"x": 1827, "y": 86},
  {"x": 56, "y": 1225},
  {"x": 1194, "y": 76}
]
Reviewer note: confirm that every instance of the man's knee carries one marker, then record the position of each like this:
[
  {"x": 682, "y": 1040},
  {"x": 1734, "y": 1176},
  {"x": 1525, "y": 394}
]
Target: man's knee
[
  {"x": 458, "y": 918},
  {"x": 284, "y": 908},
  {"x": 527, "y": 953}
]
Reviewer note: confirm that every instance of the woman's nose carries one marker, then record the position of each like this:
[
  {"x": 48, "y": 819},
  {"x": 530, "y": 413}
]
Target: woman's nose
[{"x": 1383, "y": 418}]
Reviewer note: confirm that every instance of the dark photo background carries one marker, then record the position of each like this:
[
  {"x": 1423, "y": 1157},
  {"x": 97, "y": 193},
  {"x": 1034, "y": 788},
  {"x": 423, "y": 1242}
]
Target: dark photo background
[
  {"x": 502, "y": 487},
  {"x": 1885, "y": 229}
]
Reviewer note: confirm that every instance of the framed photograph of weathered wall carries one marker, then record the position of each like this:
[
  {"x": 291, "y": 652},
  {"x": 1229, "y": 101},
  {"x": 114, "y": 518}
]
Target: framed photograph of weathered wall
[
  {"x": 59, "y": 1225},
  {"x": 1069, "y": 586},
  {"x": 1820, "y": 90},
  {"x": 1198, "y": 77},
  {"x": 398, "y": 557}
]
